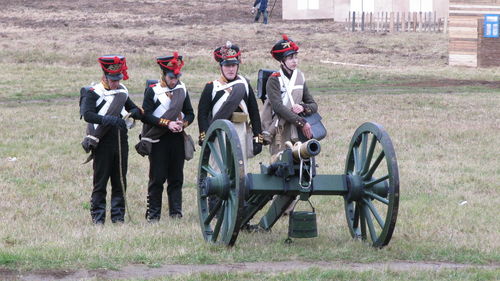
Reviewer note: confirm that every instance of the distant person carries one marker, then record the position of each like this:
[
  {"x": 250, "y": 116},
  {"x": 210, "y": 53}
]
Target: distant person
[
  {"x": 256, "y": 6},
  {"x": 103, "y": 106},
  {"x": 261, "y": 7},
  {"x": 167, "y": 112}
]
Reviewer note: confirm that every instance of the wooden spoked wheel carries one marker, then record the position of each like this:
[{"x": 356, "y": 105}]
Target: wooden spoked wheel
[
  {"x": 221, "y": 184},
  {"x": 371, "y": 205}
]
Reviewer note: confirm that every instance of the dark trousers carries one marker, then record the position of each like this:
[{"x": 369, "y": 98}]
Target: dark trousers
[
  {"x": 106, "y": 165},
  {"x": 166, "y": 163},
  {"x": 258, "y": 15}
]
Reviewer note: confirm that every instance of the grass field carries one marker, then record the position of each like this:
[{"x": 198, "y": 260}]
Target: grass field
[
  {"x": 444, "y": 123},
  {"x": 319, "y": 274}
]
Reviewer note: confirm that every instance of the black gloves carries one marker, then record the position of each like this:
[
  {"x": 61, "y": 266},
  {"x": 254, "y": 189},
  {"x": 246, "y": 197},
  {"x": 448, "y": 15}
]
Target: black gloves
[
  {"x": 136, "y": 113},
  {"x": 257, "y": 142},
  {"x": 89, "y": 143},
  {"x": 201, "y": 138},
  {"x": 108, "y": 120},
  {"x": 257, "y": 147}
]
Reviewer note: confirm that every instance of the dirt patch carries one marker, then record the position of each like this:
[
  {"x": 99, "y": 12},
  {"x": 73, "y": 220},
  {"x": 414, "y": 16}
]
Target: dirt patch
[
  {"x": 450, "y": 83},
  {"x": 72, "y": 29},
  {"x": 142, "y": 271},
  {"x": 128, "y": 14}
]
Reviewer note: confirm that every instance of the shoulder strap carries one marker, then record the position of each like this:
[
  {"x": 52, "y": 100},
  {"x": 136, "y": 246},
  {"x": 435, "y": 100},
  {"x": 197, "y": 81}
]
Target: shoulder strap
[
  {"x": 165, "y": 100},
  {"x": 287, "y": 87}
]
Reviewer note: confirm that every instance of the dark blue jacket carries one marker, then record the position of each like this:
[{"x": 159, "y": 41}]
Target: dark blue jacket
[{"x": 263, "y": 4}]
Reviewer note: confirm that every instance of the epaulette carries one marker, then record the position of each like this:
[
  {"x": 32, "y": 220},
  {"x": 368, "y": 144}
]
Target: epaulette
[
  {"x": 152, "y": 85},
  {"x": 276, "y": 74}
]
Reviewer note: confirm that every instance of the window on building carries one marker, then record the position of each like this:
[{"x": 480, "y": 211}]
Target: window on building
[
  {"x": 308, "y": 4},
  {"x": 491, "y": 23}
]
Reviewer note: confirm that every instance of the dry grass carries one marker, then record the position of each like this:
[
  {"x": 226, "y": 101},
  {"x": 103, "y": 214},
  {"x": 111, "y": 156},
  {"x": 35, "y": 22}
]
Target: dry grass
[
  {"x": 445, "y": 135},
  {"x": 322, "y": 274},
  {"x": 446, "y": 151}
]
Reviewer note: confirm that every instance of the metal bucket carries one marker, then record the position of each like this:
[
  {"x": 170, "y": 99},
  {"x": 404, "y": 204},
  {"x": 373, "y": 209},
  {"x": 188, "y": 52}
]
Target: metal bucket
[{"x": 302, "y": 224}]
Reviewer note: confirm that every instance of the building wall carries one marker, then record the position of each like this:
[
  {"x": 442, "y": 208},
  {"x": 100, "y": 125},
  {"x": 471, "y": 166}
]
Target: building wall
[
  {"x": 441, "y": 8},
  {"x": 402, "y": 6},
  {"x": 465, "y": 33},
  {"x": 339, "y": 9},
  {"x": 308, "y": 9},
  {"x": 488, "y": 49},
  {"x": 438, "y": 6},
  {"x": 384, "y": 5}
]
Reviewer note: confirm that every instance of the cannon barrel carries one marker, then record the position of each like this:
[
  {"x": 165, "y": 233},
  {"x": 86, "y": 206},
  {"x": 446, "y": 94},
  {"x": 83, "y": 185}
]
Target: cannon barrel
[
  {"x": 299, "y": 151},
  {"x": 304, "y": 150}
]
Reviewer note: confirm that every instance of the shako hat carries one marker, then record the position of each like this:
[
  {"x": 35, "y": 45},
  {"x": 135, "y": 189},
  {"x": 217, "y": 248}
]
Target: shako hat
[
  {"x": 114, "y": 66},
  {"x": 171, "y": 65},
  {"x": 227, "y": 54},
  {"x": 283, "y": 48}
]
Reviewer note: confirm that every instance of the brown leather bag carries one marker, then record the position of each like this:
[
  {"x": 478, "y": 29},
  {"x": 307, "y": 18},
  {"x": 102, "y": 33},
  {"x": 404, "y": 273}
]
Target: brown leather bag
[{"x": 188, "y": 146}]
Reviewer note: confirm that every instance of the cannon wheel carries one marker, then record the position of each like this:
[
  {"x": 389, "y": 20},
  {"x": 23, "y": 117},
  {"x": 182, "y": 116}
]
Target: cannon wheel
[
  {"x": 220, "y": 223},
  {"x": 375, "y": 205}
]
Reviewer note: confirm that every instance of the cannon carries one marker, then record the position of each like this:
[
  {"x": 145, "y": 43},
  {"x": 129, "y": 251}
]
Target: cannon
[{"x": 228, "y": 198}]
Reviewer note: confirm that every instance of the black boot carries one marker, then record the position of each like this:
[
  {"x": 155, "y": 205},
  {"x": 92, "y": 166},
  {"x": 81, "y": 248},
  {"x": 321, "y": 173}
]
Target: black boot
[
  {"x": 118, "y": 209},
  {"x": 98, "y": 213},
  {"x": 153, "y": 211},
  {"x": 175, "y": 204}
]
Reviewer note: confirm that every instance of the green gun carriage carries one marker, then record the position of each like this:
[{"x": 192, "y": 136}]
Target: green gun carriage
[{"x": 228, "y": 199}]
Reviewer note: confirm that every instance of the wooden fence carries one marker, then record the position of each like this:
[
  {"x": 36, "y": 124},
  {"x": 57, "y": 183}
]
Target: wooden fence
[{"x": 396, "y": 22}]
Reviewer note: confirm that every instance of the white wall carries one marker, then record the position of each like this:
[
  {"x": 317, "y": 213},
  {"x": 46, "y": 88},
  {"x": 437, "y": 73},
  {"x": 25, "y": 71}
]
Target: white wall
[
  {"x": 307, "y": 4},
  {"x": 422, "y": 5},
  {"x": 341, "y": 8},
  {"x": 397, "y": 5},
  {"x": 308, "y": 9},
  {"x": 363, "y": 5}
]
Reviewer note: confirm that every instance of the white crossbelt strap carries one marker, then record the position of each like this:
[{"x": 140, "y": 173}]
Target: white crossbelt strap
[
  {"x": 108, "y": 96},
  {"x": 150, "y": 140},
  {"x": 94, "y": 138},
  {"x": 161, "y": 95},
  {"x": 288, "y": 85},
  {"x": 218, "y": 86}
]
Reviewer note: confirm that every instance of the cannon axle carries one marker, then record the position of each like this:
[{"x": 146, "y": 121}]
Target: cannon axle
[
  {"x": 357, "y": 188},
  {"x": 216, "y": 186}
]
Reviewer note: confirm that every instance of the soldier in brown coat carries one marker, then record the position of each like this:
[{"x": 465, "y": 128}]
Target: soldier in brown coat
[{"x": 289, "y": 99}]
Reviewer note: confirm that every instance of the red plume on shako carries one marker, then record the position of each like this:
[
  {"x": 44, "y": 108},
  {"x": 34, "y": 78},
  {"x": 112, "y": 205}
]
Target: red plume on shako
[
  {"x": 114, "y": 66},
  {"x": 171, "y": 65},
  {"x": 284, "y": 48}
]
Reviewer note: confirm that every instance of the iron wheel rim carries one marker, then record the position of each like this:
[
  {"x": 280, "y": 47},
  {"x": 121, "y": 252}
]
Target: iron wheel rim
[
  {"x": 221, "y": 225},
  {"x": 363, "y": 216}
]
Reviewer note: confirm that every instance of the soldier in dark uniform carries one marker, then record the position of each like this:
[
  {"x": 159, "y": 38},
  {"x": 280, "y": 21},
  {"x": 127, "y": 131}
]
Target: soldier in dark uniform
[
  {"x": 288, "y": 99},
  {"x": 103, "y": 106},
  {"x": 167, "y": 112},
  {"x": 231, "y": 97}
]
